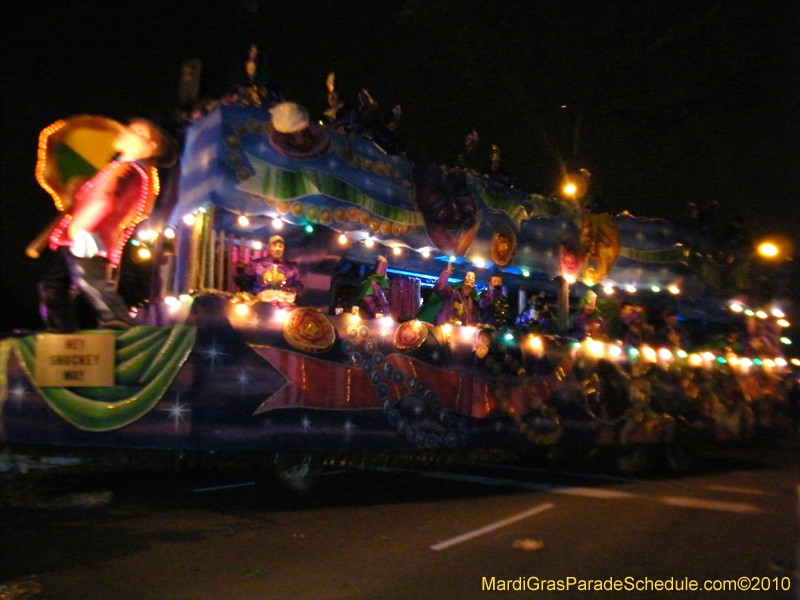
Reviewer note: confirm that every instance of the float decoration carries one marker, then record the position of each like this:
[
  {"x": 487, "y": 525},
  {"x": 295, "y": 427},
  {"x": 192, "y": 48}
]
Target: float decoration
[
  {"x": 72, "y": 151},
  {"x": 266, "y": 374},
  {"x": 147, "y": 361}
]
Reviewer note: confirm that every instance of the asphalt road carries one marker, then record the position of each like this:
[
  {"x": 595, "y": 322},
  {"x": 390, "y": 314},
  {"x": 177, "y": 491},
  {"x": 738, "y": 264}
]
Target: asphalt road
[{"x": 441, "y": 532}]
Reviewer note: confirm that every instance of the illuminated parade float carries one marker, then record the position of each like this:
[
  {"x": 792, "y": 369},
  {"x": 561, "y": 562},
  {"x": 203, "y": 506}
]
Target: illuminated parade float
[{"x": 312, "y": 291}]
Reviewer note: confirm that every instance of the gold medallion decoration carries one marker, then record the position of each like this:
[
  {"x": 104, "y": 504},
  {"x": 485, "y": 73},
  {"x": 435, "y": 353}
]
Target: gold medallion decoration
[
  {"x": 504, "y": 246},
  {"x": 309, "y": 330},
  {"x": 410, "y": 335}
]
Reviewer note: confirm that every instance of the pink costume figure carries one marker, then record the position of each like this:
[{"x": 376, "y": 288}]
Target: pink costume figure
[
  {"x": 102, "y": 218},
  {"x": 273, "y": 278}
]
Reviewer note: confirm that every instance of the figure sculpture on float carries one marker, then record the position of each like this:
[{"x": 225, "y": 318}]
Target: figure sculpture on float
[
  {"x": 466, "y": 157},
  {"x": 494, "y": 303},
  {"x": 495, "y": 171},
  {"x": 456, "y": 303},
  {"x": 90, "y": 237},
  {"x": 363, "y": 118},
  {"x": 372, "y": 300},
  {"x": 272, "y": 278}
]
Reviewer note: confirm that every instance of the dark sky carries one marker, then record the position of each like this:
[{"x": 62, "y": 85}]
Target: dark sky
[{"x": 665, "y": 102}]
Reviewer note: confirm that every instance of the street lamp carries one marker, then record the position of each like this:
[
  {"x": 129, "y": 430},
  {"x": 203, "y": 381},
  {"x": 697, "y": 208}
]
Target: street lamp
[
  {"x": 576, "y": 185},
  {"x": 777, "y": 248},
  {"x": 768, "y": 249}
]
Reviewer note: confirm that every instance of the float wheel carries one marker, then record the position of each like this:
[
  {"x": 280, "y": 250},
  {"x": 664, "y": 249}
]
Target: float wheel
[{"x": 297, "y": 473}]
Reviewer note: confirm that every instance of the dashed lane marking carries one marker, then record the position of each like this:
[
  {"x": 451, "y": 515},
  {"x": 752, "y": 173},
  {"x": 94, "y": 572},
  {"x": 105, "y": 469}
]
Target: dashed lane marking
[
  {"x": 492, "y": 527},
  {"x": 679, "y": 501},
  {"x": 574, "y": 474},
  {"x": 224, "y": 487},
  {"x": 735, "y": 507},
  {"x": 738, "y": 490},
  {"x": 530, "y": 485}
]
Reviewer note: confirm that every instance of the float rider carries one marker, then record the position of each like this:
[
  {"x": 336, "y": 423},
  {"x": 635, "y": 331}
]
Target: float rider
[
  {"x": 456, "y": 303},
  {"x": 272, "y": 278}
]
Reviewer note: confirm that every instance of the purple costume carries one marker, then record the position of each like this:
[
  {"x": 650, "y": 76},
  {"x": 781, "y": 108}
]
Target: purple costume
[
  {"x": 448, "y": 303},
  {"x": 373, "y": 302},
  {"x": 494, "y": 307},
  {"x": 371, "y": 297},
  {"x": 589, "y": 325},
  {"x": 271, "y": 274}
]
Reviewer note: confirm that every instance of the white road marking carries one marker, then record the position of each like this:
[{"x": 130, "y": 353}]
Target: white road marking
[
  {"x": 492, "y": 527},
  {"x": 600, "y": 476},
  {"x": 494, "y": 481},
  {"x": 735, "y": 507},
  {"x": 738, "y": 490},
  {"x": 224, "y": 487},
  {"x": 595, "y": 493},
  {"x": 530, "y": 485},
  {"x": 602, "y": 493}
]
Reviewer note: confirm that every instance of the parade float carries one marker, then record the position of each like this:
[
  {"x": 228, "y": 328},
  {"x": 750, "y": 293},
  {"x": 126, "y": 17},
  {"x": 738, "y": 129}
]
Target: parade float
[{"x": 323, "y": 349}]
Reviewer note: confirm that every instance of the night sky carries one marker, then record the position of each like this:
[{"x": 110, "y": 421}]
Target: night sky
[{"x": 665, "y": 103}]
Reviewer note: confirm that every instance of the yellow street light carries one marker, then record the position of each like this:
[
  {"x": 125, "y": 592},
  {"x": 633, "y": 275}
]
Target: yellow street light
[
  {"x": 776, "y": 248},
  {"x": 768, "y": 249}
]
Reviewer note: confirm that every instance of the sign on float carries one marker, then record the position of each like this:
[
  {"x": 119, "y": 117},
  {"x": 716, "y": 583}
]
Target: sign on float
[{"x": 72, "y": 360}]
